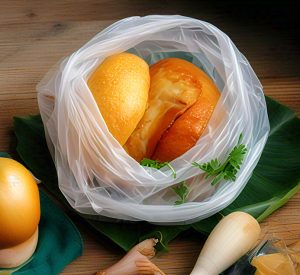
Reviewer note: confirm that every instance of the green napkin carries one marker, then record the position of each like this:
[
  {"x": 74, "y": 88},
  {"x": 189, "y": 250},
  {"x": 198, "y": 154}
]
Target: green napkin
[{"x": 59, "y": 242}]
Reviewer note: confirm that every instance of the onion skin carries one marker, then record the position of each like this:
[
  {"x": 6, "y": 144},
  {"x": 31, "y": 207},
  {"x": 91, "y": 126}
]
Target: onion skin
[
  {"x": 233, "y": 237},
  {"x": 136, "y": 261}
]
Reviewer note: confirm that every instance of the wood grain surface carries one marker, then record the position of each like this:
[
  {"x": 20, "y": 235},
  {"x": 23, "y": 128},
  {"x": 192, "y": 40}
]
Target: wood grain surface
[{"x": 35, "y": 35}]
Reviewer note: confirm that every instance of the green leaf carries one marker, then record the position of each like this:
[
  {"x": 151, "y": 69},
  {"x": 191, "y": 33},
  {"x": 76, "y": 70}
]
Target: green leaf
[
  {"x": 182, "y": 192},
  {"x": 33, "y": 150},
  {"x": 229, "y": 168},
  {"x": 275, "y": 179},
  {"x": 157, "y": 165},
  {"x": 207, "y": 225},
  {"x": 277, "y": 171},
  {"x": 124, "y": 234},
  {"x": 264, "y": 209},
  {"x": 164, "y": 234}
]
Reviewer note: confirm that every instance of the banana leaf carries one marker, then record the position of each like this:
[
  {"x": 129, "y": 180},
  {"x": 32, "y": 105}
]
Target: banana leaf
[{"x": 274, "y": 181}]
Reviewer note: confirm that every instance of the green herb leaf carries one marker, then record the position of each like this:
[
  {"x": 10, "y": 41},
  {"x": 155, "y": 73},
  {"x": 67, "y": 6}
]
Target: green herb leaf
[
  {"x": 182, "y": 192},
  {"x": 157, "y": 165},
  {"x": 227, "y": 170}
]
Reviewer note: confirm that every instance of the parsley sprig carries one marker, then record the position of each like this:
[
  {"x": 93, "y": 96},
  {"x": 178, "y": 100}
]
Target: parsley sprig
[
  {"x": 157, "y": 165},
  {"x": 182, "y": 192},
  {"x": 228, "y": 170}
]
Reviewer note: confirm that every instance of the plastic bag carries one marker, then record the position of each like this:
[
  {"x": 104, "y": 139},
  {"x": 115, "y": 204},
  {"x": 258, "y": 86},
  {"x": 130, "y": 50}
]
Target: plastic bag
[
  {"x": 95, "y": 173},
  {"x": 271, "y": 256}
]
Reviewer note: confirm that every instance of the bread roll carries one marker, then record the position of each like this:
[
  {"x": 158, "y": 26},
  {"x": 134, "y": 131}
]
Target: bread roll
[
  {"x": 175, "y": 86},
  {"x": 186, "y": 130},
  {"x": 181, "y": 100},
  {"x": 120, "y": 87}
]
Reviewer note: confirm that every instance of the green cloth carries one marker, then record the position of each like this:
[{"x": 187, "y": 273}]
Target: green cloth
[
  {"x": 59, "y": 242},
  {"x": 4, "y": 155}
]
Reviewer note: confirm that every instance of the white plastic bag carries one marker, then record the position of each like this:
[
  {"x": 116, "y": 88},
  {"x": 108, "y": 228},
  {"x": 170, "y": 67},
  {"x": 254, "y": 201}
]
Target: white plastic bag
[{"x": 95, "y": 173}]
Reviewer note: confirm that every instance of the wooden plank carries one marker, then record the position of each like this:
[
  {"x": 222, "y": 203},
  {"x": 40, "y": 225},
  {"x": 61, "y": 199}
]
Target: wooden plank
[
  {"x": 285, "y": 90},
  {"x": 38, "y": 48},
  {"x": 18, "y": 11},
  {"x": 52, "y": 40}
]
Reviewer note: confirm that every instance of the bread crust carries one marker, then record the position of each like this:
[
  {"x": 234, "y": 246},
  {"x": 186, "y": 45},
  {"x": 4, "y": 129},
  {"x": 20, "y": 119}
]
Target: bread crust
[
  {"x": 181, "y": 100},
  {"x": 120, "y": 88}
]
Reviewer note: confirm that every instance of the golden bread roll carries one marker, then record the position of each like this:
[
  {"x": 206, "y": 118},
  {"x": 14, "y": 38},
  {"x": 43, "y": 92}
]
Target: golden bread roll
[
  {"x": 181, "y": 96},
  {"x": 175, "y": 85},
  {"x": 120, "y": 87}
]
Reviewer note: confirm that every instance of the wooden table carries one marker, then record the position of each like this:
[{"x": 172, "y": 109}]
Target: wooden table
[{"x": 34, "y": 35}]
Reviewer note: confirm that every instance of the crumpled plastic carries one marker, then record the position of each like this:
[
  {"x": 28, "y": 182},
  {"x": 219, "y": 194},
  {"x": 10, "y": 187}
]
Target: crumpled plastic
[{"x": 95, "y": 173}]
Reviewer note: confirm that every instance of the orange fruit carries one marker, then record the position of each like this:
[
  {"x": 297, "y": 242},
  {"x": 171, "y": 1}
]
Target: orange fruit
[
  {"x": 120, "y": 87},
  {"x": 19, "y": 204}
]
